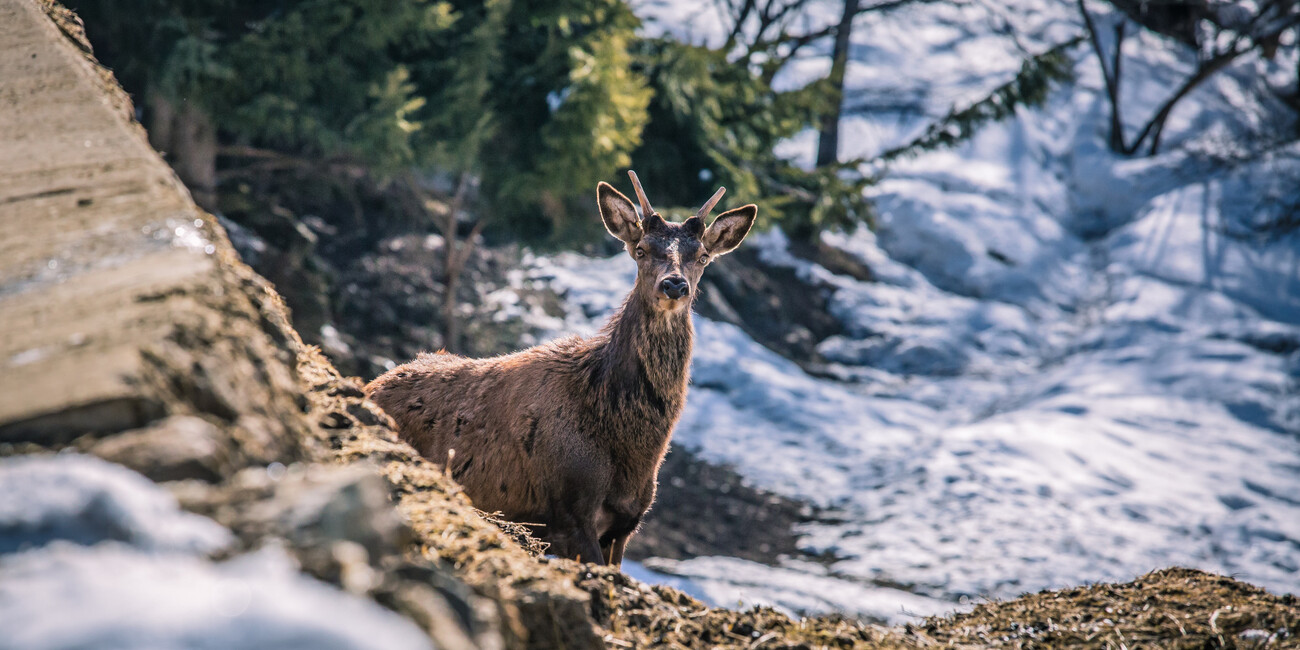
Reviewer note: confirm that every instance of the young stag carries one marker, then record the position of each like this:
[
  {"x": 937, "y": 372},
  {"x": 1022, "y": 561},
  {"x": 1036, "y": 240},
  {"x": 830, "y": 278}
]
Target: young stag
[{"x": 570, "y": 434}]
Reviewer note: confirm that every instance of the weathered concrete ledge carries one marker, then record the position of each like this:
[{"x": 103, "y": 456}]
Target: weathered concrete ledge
[{"x": 119, "y": 304}]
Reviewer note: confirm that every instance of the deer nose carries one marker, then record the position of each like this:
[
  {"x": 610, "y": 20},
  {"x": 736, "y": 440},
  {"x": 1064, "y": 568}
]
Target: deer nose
[{"x": 674, "y": 286}]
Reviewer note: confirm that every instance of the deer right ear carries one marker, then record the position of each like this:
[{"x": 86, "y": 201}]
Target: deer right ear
[
  {"x": 726, "y": 232},
  {"x": 618, "y": 213}
]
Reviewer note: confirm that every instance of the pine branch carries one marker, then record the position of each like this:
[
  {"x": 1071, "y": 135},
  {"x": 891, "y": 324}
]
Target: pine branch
[{"x": 1029, "y": 88}]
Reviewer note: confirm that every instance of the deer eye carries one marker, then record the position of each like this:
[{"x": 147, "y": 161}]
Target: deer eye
[
  {"x": 704, "y": 259},
  {"x": 640, "y": 252}
]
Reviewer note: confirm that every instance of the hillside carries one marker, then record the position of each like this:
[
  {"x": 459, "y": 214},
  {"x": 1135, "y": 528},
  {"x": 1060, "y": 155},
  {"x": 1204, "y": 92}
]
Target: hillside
[{"x": 182, "y": 471}]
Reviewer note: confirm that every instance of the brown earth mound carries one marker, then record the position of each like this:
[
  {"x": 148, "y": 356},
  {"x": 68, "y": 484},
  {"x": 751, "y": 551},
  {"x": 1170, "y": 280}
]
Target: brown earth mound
[{"x": 168, "y": 355}]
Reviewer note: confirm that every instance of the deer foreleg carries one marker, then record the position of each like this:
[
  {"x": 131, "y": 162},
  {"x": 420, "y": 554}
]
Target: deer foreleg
[{"x": 574, "y": 540}]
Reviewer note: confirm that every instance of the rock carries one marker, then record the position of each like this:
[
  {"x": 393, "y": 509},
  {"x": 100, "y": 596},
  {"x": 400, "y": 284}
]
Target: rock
[
  {"x": 120, "y": 301},
  {"x": 367, "y": 413},
  {"x": 176, "y": 448},
  {"x": 336, "y": 420},
  {"x": 313, "y": 507},
  {"x": 446, "y": 609},
  {"x": 430, "y": 611},
  {"x": 121, "y": 304}
]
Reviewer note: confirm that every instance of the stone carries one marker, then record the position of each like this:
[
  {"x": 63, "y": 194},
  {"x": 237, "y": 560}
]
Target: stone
[{"x": 176, "y": 448}]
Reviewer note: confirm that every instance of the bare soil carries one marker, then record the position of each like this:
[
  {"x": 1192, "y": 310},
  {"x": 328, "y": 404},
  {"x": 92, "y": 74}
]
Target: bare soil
[{"x": 703, "y": 509}]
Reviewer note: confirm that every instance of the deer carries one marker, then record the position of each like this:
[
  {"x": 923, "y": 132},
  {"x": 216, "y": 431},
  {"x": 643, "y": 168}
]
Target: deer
[{"x": 567, "y": 437}]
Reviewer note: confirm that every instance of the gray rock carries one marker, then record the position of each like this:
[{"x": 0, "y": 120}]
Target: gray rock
[
  {"x": 176, "y": 448},
  {"x": 312, "y": 507}
]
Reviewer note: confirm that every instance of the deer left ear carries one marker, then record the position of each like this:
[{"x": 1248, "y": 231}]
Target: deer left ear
[
  {"x": 694, "y": 227},
  {"x": 727, "y": 231},
  {"x": 618, "y": 214}
]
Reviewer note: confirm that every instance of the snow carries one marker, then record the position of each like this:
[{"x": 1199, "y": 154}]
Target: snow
[
  {"x": 799, "y": 586},
  {"x": 94, "y": 555},
  {"x": 795, "y": 587},
  {"x": 639, "y": 571},
  {"x": 85, "y": 500},
  {"x": 113, "y": 596},
  {"x": 1073, "y": 366}
]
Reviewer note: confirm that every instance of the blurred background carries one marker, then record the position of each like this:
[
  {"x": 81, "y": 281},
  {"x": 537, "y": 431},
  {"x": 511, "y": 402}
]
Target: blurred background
[{"x": 1022, "y": 310}]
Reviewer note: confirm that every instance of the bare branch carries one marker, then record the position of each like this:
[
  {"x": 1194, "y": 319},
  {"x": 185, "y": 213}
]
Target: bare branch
[
  {"x": 796, "y": 42},
  {"x": 1243, "y": 42},
  {"x": 1156, "y": 125},
  {"x": 1109, "y": 74},
  {"x": 738, "y": 18}
]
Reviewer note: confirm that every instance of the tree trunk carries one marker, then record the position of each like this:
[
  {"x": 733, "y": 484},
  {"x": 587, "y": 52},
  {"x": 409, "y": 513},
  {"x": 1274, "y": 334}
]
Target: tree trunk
[
  {"x": 450, "y": 319},
  {"x": 187, "y": 138},
  {"x": 457, "y": 255},
  {"x": 1112, "y": 89},
  {"x": 829, "y": 144}
]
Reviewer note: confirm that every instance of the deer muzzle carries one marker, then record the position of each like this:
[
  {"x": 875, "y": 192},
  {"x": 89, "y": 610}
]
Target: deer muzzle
[{"x": 674, "y": 287}]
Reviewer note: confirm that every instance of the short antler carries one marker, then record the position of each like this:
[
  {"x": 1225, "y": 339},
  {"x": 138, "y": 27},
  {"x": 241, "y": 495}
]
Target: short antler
[
  {"x": 708, "y": 206},
  {"x": 646, "y": 210}
]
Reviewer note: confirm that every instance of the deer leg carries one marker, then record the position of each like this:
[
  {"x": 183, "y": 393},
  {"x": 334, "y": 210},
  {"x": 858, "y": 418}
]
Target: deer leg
[
  {"x": 590, "y": 548},
  {"x": 579, "y": 543},
  {"x": 572, "y": 538},
  {"x": 614, "y": 542},
  {"x": 612, "y": 550}
]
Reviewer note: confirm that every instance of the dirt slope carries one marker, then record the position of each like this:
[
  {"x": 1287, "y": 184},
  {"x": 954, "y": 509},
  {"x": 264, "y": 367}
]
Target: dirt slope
[{"x": 130, "y": 330}]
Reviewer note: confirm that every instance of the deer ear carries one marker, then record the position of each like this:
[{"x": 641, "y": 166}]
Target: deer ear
[
  {"x": 727, "y": 231},
  {"x": 618, "y": 213}
]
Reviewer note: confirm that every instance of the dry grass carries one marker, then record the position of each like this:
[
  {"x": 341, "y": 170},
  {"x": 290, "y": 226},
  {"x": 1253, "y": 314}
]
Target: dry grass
[{"x": 1170, "y": 608}]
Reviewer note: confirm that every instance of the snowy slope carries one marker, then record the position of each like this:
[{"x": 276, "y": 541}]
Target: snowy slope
[{"x": 1074, "y": 367}]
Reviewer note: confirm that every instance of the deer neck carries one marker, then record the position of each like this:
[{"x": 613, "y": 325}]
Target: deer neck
[{"x": 643, "y": 361}]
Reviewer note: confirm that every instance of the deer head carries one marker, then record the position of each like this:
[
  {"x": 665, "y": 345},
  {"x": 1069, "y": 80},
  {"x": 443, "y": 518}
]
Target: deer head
[{"x": 670, "y": 257}]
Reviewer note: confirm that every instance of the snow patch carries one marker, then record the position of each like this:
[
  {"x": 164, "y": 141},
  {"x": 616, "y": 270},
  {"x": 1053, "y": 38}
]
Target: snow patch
[
  {"x": 114, "y": 596},
  {"x": 798, "y": 588},
  {"x": 85, "y": 500}
]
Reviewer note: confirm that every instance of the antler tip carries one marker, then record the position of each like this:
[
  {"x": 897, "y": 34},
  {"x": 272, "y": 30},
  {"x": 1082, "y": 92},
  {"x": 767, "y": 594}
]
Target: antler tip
[{"x": 708, "y": 205}]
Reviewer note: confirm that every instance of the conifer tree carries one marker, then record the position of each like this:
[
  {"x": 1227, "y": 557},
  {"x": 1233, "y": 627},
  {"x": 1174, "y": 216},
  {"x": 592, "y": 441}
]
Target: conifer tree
[{"x": 311, "y": 77}]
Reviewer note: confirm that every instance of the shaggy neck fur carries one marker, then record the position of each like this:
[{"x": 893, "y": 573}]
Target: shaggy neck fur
[{"x": 641, "y": 360}]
